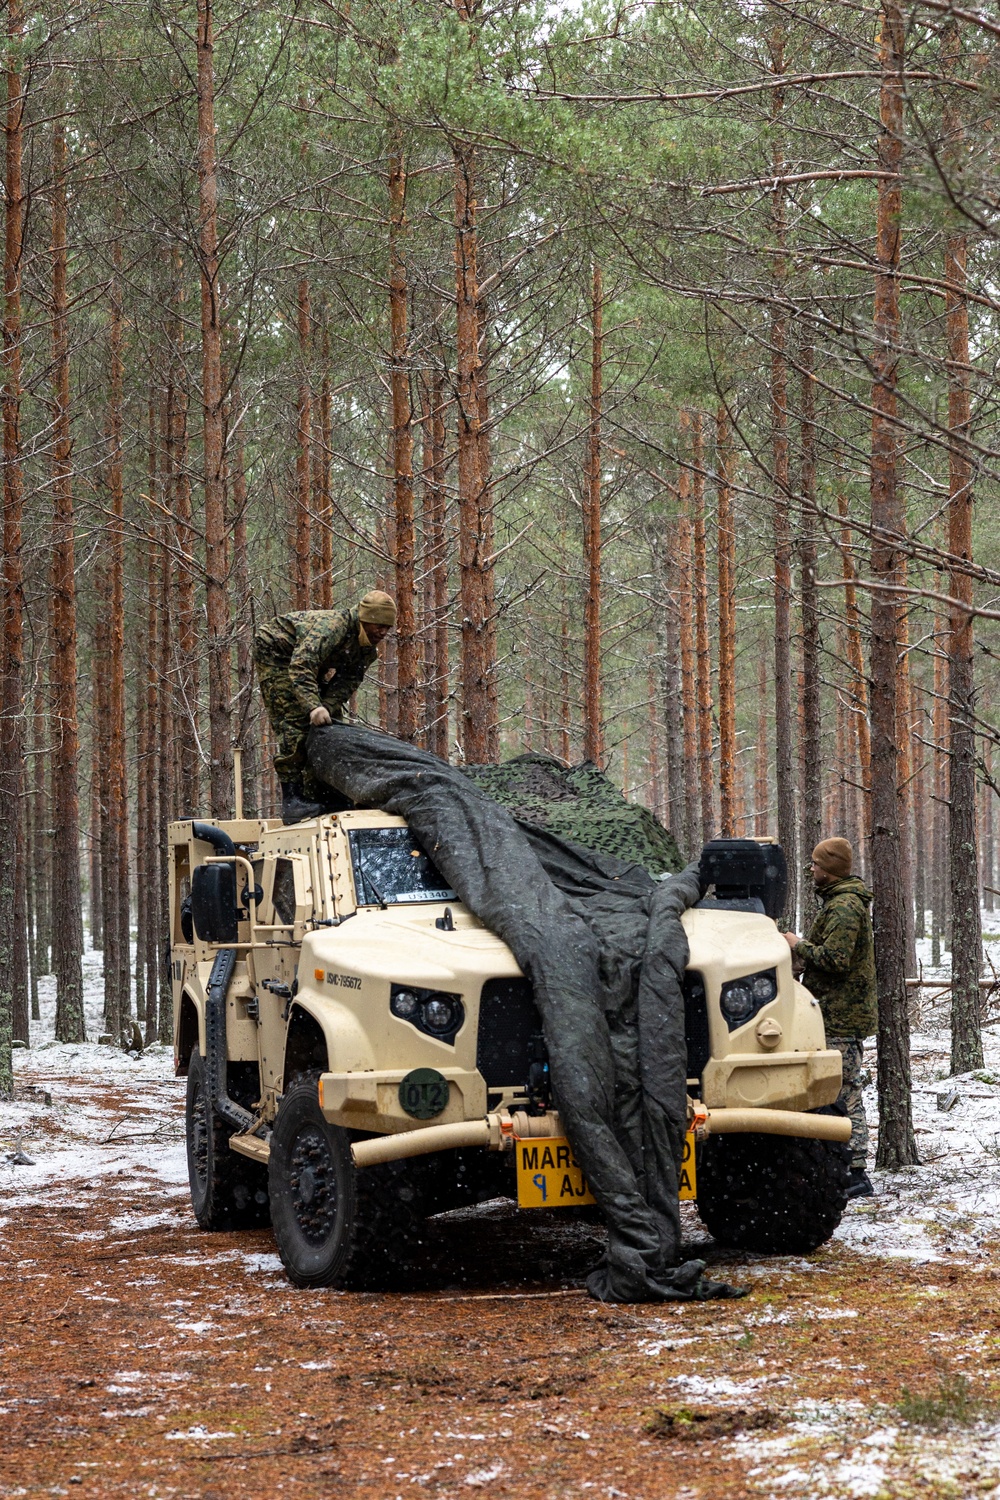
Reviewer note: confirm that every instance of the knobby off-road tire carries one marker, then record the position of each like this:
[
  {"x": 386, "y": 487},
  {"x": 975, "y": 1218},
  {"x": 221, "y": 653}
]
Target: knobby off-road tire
[
  {"x": 227, "y": 1191},
  {"x": 776, "y": 1195},
  {"x": 335, "y": 1225}
]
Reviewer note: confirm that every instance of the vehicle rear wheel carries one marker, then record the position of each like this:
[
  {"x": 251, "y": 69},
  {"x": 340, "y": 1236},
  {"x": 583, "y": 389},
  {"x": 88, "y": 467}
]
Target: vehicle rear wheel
[
  {"x": 227, "y": 1191},
  {"x": 335, "y": 1225},
  {"x": 776, "y": 1195}
]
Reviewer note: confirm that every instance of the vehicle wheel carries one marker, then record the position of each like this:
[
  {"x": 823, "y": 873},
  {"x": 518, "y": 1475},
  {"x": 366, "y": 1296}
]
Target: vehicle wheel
[
  {"x": 227, "y": 1191},
  {"x": 334, "y": 1225},
  {"x": 777, "y": 1195}
]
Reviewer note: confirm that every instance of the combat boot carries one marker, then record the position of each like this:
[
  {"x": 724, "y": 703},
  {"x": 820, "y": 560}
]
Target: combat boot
[
  {"x": 294, "y": 807},
  {"x": 859, "y": 1184}
]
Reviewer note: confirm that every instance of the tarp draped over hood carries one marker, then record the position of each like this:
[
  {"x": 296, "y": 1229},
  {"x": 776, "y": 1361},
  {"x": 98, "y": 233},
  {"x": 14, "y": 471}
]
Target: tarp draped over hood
[{"x": 604, "y": 949}]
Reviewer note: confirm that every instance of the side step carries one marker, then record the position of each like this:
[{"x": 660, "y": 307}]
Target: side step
[{"x": 252, "y": 1146}]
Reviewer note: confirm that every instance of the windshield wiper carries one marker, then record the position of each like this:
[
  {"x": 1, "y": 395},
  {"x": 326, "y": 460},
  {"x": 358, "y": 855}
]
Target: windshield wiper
[{"x": 369, "y": 882}]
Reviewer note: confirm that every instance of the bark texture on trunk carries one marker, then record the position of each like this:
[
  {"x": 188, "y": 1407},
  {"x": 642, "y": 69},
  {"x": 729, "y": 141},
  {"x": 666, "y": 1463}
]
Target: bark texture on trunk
[
  {"x": 302, "y": 511},
  {"x": 724, "y": 464},
  {"x": 689, "y": 661},
  {"x": 897, "y": 1144},
  {"x": 117, "y": 954},
  {"x": 593, "y": 711},
  {"x": 64, "y": 729},
  {"x": 812, "y": 721},
  {"x": 407, "y": 664},
  {"x": 784, "y": 750},
  {"x": 435, "y": 566},
  {"x": 702, "y": 647},
  {"x": 216, "y": 563},
  {"x": 966, "y": 941},
  {"x": 480, "y": 712},
  {"x": 13, "y": 984}
]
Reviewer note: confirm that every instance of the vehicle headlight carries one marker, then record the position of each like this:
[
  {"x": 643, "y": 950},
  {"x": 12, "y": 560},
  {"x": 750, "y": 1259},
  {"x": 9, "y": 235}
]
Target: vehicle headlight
[
  {"x": 440, "y": 1013},
  {"x": 742, "y": 998},
  {"x": 404, "y": 1004},
  {"x": 434, "y": 1012},
  {"x": 737, "y": 1002}
]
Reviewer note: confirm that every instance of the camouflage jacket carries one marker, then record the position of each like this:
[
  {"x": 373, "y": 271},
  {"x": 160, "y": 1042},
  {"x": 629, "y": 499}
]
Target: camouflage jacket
[
  {"x": 311, "y": 641},
  {"x": 839, "y": 958}
]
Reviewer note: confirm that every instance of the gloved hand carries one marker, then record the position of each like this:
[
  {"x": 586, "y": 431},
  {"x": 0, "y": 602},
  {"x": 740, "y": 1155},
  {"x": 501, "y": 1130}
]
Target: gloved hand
[{"x": 320, "y": 715}]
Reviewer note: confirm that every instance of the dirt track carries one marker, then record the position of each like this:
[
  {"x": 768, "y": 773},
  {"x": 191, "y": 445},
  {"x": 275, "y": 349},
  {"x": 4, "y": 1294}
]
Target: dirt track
[{"x": 140, "y": 1356}]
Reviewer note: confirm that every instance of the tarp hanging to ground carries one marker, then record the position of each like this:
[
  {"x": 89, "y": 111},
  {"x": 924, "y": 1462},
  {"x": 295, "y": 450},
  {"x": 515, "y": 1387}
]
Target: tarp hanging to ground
[{"x": 603, "y": 946}]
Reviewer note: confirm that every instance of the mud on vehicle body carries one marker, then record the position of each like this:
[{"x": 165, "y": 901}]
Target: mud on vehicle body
[{"x": 362, "y": 1053}]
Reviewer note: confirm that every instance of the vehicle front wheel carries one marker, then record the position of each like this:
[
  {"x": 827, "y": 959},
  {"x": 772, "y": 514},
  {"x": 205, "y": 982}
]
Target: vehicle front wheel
[
  {"x": 227, "y": 1191},
  {"x": 335, "y": 1225},
  {"x": 776, "y": 1195}
]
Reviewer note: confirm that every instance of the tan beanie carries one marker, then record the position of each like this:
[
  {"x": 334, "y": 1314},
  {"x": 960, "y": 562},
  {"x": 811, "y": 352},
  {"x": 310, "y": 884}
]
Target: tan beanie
[
  {"x": 377, "y": 608},
  {"x": 834, "y": 856}
]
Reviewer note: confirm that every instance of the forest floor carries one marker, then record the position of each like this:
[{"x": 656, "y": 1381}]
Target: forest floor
[{"x": 142, "y": 1357}]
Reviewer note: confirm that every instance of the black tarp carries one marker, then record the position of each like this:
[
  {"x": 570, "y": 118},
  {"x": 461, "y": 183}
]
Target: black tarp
[{"x": 603, "y": 946}]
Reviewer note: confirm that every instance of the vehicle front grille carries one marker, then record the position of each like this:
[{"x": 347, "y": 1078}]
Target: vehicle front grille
[
  {"x": 699, "y": 1047},
  {"x": 508, "y": 1019}
]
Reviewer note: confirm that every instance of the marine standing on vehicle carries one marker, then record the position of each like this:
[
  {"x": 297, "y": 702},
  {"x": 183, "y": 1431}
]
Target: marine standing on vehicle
[
  {"x": 310, "y": 663},
  {"x": 838, "y": 960}
]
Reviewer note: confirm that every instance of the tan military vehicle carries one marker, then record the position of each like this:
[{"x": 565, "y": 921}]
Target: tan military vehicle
[{"x": 361, "y": 1053}]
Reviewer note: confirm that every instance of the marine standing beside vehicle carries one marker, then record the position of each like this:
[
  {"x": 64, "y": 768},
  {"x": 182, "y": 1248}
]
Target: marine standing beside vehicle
[
  {"x": 309, "y": 664},
  {"x": 838, "y": 967}
]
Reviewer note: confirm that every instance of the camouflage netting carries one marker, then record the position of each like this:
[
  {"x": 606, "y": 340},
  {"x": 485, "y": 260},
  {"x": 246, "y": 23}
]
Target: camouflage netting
[{"x": 582, "y": 804}]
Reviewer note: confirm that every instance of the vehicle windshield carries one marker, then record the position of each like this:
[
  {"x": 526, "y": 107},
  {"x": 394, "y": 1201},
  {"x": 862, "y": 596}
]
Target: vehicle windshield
[{"x": 391, "y": 868}]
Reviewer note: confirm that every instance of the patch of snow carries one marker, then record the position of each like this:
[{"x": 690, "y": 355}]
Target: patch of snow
[{"x": 197, "y": 1434}]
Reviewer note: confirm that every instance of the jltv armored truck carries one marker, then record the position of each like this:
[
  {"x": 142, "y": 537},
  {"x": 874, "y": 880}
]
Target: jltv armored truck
[{"x": 362, "y": 1053}]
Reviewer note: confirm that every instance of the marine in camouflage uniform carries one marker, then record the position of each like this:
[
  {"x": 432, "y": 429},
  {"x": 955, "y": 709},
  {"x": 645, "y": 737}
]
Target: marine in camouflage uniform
[
  {"x": 838, "y": 967},
  {"x": 314, "y": 659}
]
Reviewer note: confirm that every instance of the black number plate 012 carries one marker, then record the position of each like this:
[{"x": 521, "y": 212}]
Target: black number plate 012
[{"x": 424, "y": 1093}]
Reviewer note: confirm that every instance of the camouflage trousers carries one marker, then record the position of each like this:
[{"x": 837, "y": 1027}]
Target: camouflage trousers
[
  {"x": 290, "y": 723},
  {"x": 851, "y": 1049}
]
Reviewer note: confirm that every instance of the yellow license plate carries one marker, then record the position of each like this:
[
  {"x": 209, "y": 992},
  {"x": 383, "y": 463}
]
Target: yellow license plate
[
  {"x": 687, "y": 1182},
  {"x": 548, "y": 1175}
]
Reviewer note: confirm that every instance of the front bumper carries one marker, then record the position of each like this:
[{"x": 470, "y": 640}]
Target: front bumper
[{"x": 775, "y": 1080}]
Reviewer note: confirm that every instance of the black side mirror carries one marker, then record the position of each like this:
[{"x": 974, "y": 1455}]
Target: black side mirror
[{"x": 213, "y": 903}]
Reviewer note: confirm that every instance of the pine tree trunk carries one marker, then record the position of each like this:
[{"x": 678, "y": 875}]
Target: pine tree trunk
[
  {"x": 724, "y": 463},
  {"x": 989, "y": 878},
  {"x": 185, "y": 674},
  {"x": 593, "y": 713},
  {"x": 939, "y": 813},
  {"x": 13, "y": 986},
  {"x": 897, "y": 1144},
  {"x": 117, "y": 958},
  {"x": 214, "y": 457},
  {"x": 67, "y": 909},
  {"x": 967, "y": 943},
  {"x": 702, "y": 647},
  {"x": 784, "y": 762},
  {"x": 812, "y": 722},
  {"x": 480, "y": 713},
  {"x": 435, "y": 568},
  {"x": 148, "y": 953},
  {"x": 761, "y": 799},
  {"x": 301, "y": 529},
  {"x": 96, "y": 823},
  {"x": 166, "y": 790},
  {"x": 689, "y": 692},
  {"x": 671, "y": 692},
  {"x": 248, "y": 714},
  {"x": 407, "y": 655},
  {"x": 904, "y": 771},
  {"x": 321, "y": 486},
  {"x": 855, "y": 655}
]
